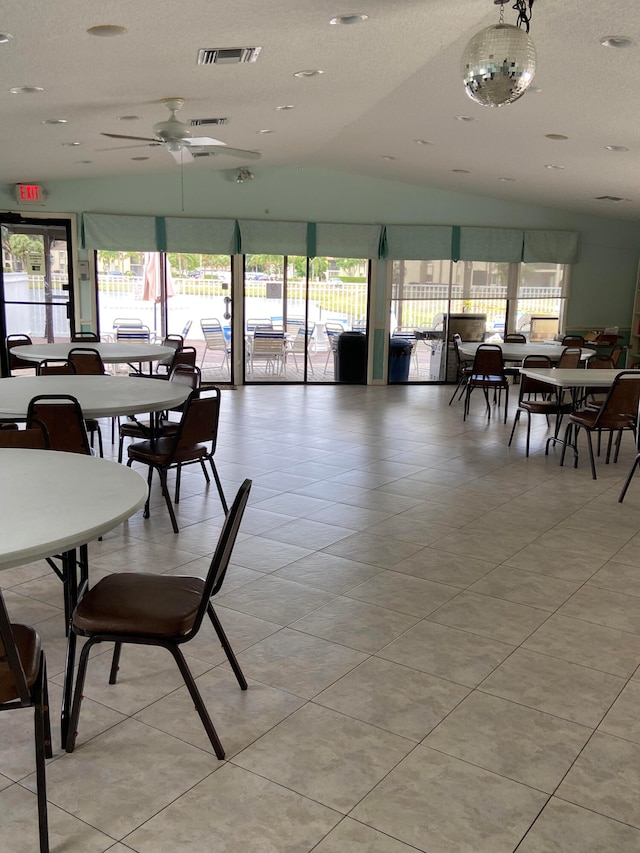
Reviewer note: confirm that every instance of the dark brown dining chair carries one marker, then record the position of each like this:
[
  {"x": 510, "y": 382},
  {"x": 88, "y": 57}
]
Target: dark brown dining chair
[
  {"x": 15, "y": 362},
  {"x": 573, "y": 341},
  {"x": 62, "y": 416},
  {"x": 569, "y": 358},
  {"x": 488, "y": 373},
  {"x": 157, "y": 610},
  {"x": 87, "y": 337},
  {"x": 463, "y": 369},
  {"x": 34, "y": 436},
  {"x": 55, "y": 367},
  {"x": 539, "y": 398},
  {"x": 23, "y": 684},
  {"x": 515, "y": 338},
  {"x": 88, "y": 362},
  {"x": 194, "y": 441},
  {"x": 175, "y": 342},
  {"x": 183, "y": 374},
  {"x": 617, "y": 414}
]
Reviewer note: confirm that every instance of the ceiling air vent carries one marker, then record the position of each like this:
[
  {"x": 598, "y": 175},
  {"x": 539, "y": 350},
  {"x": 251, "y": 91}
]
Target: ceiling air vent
[
  {"x": 227, "y": 55},
  {"x": 208, "y": 122},
  {"x": 611, "y": 198}
]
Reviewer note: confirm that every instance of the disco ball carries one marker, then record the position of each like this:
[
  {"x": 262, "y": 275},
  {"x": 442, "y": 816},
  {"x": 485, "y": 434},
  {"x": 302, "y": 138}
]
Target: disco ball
[{"x": 498, "y": 65}]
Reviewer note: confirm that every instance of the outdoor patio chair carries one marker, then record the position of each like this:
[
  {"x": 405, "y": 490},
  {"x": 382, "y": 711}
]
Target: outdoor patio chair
[
  {"x": 332, "y": 330},
  {"x": 268, "y": 347},
  {"x": 215, "y": 340},
  {"x": 301, "y": 344},
  {"x": 157, "y": 610},
  {"x": 194, "y": 441},
  {"x": 23, "y": 684}
]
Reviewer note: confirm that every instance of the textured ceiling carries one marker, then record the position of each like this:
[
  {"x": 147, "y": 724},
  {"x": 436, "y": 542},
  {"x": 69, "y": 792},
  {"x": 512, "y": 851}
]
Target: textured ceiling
[{"x": 387, "y": 82}]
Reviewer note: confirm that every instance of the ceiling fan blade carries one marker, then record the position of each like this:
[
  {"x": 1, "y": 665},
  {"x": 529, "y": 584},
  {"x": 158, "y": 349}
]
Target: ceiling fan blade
[
  {"x": 234, "y": 152},
  {"x": 126, "y": 147},
  {"x": 182, "y": 155},
  {"x": 120, "y": 136},
  {"x": 203, "y": 140}
]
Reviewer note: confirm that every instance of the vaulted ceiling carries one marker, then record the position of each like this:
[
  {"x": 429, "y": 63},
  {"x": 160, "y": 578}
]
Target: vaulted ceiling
[{"x": 388, "y": 103}]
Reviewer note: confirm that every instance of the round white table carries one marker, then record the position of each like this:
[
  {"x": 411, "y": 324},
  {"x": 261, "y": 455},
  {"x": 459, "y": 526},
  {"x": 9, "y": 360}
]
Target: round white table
[
  {"x": 111, "y": 353},
  {"x": 99, "y": 396},
  {"x": 53, "y": 503}
]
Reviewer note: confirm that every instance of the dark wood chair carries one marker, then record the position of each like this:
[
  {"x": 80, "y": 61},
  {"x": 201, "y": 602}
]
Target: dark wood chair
[
  {"x": 488, "y": 373},
  {"x": 15, "y": 362},
  {"x": 34, "y": 436},
  {"x": 515, "y": 338},
  {"x": 539, "y": 398},
  {"x": 175, "y": 342},
  {"x": 88, "y": 362},
  {"x": 157, "y": 610},
  {"x": 23, "y": 684},
  {"x": 570, "y": 358},
  {"x": 62, "y": 416},
  {"x": 55, "y": 367},
  {"x": 573, "y": 341},
  {"x": 194, "y": 441},
  {"x": 617, "y": 414},
  {"x": 89, "y": 337}
]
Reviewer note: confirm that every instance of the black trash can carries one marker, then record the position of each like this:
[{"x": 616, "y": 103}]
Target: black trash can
[
  {"x": 351, "y": 358},
  {"x": 399, "y": 359}
]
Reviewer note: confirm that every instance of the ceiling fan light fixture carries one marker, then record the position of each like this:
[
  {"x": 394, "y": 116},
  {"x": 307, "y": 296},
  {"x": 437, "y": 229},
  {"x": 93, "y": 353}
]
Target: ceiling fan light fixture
[
  {"x": 26, "y": 90},
  {"x": 243, "y": 174},
  {"x": 499, "y": 63},
  {"x": 356, "y": 18},
  {"x": 309, "y": 73},
  {"x": 107, "y": 30},
  {"x": 5, "y": 37},
  {"x": 618, "y": 42}
]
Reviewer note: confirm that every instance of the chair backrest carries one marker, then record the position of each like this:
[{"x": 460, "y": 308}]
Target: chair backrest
[
  {"x": 175, "y": 342},
  {"x": 535, "y": 386},
  {"x": 214, "y": 334},
  {"x": 300, "y": 342},
  {"x": 33, "y": 437},
  {"x": 488, "y": 361},
  {"x": 127, "y": 321},
  {"x": 253, "y": 325},
  {"x": 199, "y": 421},
  {"x": 183, "y": 355},
  {"x": 133, "y": 334},
  {"x": 14, "y": 689},
  {"x": 267, "y": 344},
  {"x": 621, "y": 401},
  {"x": 55, "y": 367},
  {"x": 332, "y": 329},
  {"x": 572, "y": 341},
  {"x": 185, "y": 331},
  {"x": 515, "y": 338},
  {"x": 606, "y": 340},
  {"x": 15, "y": 362},
  {"x": 570, "y": 358},
  {"x": 87, "y": 362},
  {"x": 62, "y": 416},
  {"x": 616, "y": 352},
  {"x": 462, "y": 361},
  {"x": 600, "y": 362},
  {"x": 186, "y": 374},
  {"x": 222, "y": 554},
  {"x": 85, "y": 336}
]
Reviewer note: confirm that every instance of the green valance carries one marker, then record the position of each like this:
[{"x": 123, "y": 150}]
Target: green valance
[
  {"x": 501, "y": 245},
  {"x": 120, "y": 233},
  {"x": 347, "y": 241},
  {"x": 266, "y": 237},
  {"x": 551, "y": 247},
  {"x": 203, "y": 236},
  {"x": 419, "y": 242}
]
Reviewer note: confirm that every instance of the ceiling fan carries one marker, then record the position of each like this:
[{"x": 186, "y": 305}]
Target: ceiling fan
[{"x": 175, "y": 136}]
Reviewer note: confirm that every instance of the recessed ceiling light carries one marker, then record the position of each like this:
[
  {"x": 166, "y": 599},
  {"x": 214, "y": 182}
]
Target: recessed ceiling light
[
  {"x": 5, "y": 37},
  {"x": 461, "y": 171},
  {"x": 349, "y": 19},
  {"x": 506, "y": 179},
  {"x": 139, "y": 158},
  {"x": 107, "y": 30},
  {"x": 465, "y": 118},
  {"x": 309, "y": 73},
  {"x": 26, "y": 90},
  {"x": 70, "y": 144},
  {"x": 55, "y": 121},
  {"x": 129, "y": 118},
  {"x": 84, "y": 162},
  {"x": 265, "y": 130},
  {"x": 615, "y": 148},
  {"x": 388, "y": 157},
  {"x": 617, "y": 41},
  {"x": 423, "y": 142},
  {"x": 556, "y": 136},
  {"x": 286, "y": 107},
  {"x": 553, "y": 166}
]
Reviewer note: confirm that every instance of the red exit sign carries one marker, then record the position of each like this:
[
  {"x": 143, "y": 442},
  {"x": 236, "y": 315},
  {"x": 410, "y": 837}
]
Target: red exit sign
[{"x": 29, "y": 194}]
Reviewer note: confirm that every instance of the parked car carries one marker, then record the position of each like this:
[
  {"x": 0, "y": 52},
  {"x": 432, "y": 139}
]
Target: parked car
[{"x": 334, "y": 281}]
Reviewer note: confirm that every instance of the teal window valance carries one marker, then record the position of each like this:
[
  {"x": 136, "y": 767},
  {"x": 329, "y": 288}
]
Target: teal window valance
[
  {"x": 551, "y": 247},
  {"x": 203, "y": 236},
  {"x": 119, "y": 233},
  {"x": 266, "y": 237},
  {"x": 501, "y": 245},
  {"x": 419, "y": 242},
  {"x": 347, "y": 241}
]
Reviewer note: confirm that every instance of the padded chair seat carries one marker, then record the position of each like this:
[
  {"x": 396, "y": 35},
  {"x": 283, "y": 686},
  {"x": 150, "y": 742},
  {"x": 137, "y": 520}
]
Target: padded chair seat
[
  {"x": 586, "y": 418},
  {"x": 546, "y": 407},
  {"x": 158, "y": 453},
  {"x": 29, "y": 647},
  {"x": 480, "y": 379},
  {"x": 140, "y": 604}
]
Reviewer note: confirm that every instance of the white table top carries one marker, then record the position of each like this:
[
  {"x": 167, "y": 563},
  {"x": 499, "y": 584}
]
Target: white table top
[
  {"x": 99, "y": 396},
  {"x": 516, "y": 352},
  {"x": 51, "y": 502},
  {"x": 112, "y": 353},
  {"x": 575, "y": 378}
]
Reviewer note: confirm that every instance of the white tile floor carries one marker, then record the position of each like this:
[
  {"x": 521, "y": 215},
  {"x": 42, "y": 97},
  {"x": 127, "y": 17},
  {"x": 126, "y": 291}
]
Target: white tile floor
[{"x": 441, "y": 638}]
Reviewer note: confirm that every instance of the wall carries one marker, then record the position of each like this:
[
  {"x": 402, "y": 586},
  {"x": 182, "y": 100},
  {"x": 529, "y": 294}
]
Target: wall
[{"x": 603, "y": 281}]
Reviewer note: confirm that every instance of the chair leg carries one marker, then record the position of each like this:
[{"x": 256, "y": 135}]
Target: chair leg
[
  {"x": 636, "y": 462},
  {"x": 528, "y": 433},
  {"x": 167, "y": 499},
  {"x": 70, "y": 743},
  {"x": 226, "y": 645},
  {"x": 197, "y": 701},
  {"x": 216, "y": 477},
  {"x": 513, "y": 428},
  {"x": 115, "y": 663},
  {"x": 591, "y": 457},
  {"x": 41, "y": 714}
]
